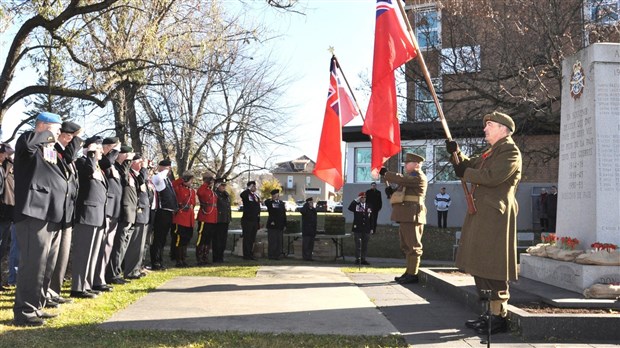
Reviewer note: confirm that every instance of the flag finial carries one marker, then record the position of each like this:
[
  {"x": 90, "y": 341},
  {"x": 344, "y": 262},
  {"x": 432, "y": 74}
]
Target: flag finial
[{"x": 331, "y": 50}]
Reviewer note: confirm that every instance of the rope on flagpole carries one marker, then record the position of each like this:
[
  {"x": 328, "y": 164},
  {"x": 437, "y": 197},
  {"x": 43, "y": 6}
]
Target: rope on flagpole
[{"x": 471, "y": 206}]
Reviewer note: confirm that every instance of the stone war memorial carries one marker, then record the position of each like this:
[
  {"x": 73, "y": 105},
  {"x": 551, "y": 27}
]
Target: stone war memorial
[{"x": 583, "y": 255}]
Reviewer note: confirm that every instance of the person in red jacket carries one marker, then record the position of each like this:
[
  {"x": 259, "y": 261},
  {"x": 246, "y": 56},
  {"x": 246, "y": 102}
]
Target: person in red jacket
[
  {"x": 183, "y": 219},
  {"x": 207, "y": 218}
]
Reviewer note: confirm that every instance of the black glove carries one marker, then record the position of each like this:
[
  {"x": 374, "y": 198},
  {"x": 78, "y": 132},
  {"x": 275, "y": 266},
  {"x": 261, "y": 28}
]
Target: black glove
[
  {"x": 451, "y": 147},
  {"x": 388, "y": 191},
  {"x": 459, "y": 169},
  {"x": 383, "y": 171}
]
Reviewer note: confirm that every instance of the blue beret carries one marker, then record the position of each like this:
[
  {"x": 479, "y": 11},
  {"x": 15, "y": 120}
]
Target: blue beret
[{"x": 49, "y": 117}]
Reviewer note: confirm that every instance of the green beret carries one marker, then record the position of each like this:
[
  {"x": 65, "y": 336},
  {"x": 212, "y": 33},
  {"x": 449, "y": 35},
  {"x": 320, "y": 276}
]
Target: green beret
[
  {"x": 412, "y": 157},
  {"x": 500, "y": 118}
]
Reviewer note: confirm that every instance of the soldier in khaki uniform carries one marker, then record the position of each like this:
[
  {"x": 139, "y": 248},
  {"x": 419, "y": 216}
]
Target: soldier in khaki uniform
[
  {"x": 488, "y": 247},
  {"x": 409, "y": 212}
]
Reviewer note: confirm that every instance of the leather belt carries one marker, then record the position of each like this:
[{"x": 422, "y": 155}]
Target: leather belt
[{"x": 409, "y": 198}]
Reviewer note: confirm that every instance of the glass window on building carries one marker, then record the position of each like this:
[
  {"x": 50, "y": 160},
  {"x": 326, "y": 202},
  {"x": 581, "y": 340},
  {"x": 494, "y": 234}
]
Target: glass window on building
[
  {"x": 425, "y": 109},
  {"x": 443, "y": 170},
  {"x": 427, "y": 26},
  {"x": 603, "y": 11},
  {"x": 362, "y": 164},
  {"x": 418, "y": 150}
]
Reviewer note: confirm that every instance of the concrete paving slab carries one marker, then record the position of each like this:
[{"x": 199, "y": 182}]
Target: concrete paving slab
[{"x": 291, "y": 299}]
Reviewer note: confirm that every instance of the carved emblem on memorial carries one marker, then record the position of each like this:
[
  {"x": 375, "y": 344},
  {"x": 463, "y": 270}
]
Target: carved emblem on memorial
[{"x": 577, "y": 81}]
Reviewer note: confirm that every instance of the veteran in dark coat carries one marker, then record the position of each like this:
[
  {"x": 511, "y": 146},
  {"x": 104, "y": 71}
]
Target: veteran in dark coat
[
  {"x": 40, "y": 191},
  {"x": 308, "y": 228},
  {"x": 410, "y": 212},
  {"x": 487, "y": 249},
  {"x": 276, "y": 224}
]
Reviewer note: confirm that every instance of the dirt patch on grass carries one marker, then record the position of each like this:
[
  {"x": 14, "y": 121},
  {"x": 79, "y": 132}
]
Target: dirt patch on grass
[{"x": 541, "y": 308}]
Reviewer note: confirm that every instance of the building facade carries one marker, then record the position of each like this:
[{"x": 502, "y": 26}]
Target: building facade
[{"x": 298, "y": 182}]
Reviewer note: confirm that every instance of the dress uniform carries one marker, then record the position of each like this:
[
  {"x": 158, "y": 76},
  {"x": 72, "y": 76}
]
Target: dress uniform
[
  {"x": 127, "y": 219},
  {"x": 132, "y": 263},
  {"x": 308, "y": 228},
  {"x": 40, "y": 192},
  {"x": 362, "y": 224},
  {"x": 112, "y": 210},
  {"x": 410, "y": 213},
  {"x": 276, "y": 224},
  {"x": 224, "y": 217},
  {"x": 66, "y": 162},
  {"x": 207, "y": 218},
  {"x": 487, "y": 249},
  {"x": 184, "y": 219},
  {"x": 166, "y": 206},
  {"x": 90, "y": 219},
  {"x": 250, "y": 220}
]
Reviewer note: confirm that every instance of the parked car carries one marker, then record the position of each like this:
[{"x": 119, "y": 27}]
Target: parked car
[
  {"x": 262, "y": 207},
  {"x": 325, "y": 206},
  {"x": 290, "y": 206},
  {"x": 299, "y": 205},
  {"x": 338, "y": 207}
]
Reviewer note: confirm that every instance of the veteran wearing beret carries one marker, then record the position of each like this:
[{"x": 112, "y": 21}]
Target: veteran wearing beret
[
  {"x": 487, "y": 249},
  {"x": 40, "y": 189},
  {"x": 166, "y": 206},
  {"x": 276, "y": 224},
  {"x": 250, "y": 220},
  {"x": 224, "y": 216},
  {"x": 409, "y": 211}
]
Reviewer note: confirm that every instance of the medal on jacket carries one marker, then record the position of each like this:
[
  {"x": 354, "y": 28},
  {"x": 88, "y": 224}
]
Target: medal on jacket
[{"x": 49, "y": 153}]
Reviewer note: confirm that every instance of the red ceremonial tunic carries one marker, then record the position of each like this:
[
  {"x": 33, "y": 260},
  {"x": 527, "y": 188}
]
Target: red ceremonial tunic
[
  {"x": 186, "y": 199},
  {"x": 207, "y": 212}
]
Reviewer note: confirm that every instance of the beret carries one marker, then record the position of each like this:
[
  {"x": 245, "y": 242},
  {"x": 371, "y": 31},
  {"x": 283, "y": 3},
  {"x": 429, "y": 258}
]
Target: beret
[
  {"x": 49, "y": 117},
  {"x": 110, "y": 141},
  {"x": 361, "y": 194},
  {"x": 94, "y": 139},
  {"x": 309, "y": 199},
  {"x": 221, "y": 181},
  {"x": 126, "y": 149},
  {"x": 500, "y": 118},
  {"x": 275, "y": 191},
  {"x": 137, "y": 157},
  {"x": 165, "y": 163},
  {"x": 412, "y": 157},
  {"x": 250, "y": 183},
  {"x": 69, "y": 127},
  {"x": 6, "y": 148}
]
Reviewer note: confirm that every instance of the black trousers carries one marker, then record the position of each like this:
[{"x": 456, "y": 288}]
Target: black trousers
[
  {"x": 374, "y": 215},
  {"x": 307, "y": 246},
  {"x": 442, "y": 216},
  {"x": 249, "y": 229},
  {"x": 361, "y": 245},
  {"x": 274, "y": 239},
  {"x": 163, "y": 222},
  {"x": 218, "y": 242}
]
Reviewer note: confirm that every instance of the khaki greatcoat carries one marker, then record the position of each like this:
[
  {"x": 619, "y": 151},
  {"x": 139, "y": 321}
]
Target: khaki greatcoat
[
  {"x": 414, "y": 185},
  {"x": 488, "y": 245}
]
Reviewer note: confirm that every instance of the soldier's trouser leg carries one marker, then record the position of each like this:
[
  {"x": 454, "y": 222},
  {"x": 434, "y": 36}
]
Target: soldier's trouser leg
[
  {"x": 411, "y": 245},
  {"x": 499, "y": 294}
]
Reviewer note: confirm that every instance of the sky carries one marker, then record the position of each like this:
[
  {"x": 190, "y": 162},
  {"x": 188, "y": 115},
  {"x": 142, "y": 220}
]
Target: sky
[{"x": 302, "y": 51}]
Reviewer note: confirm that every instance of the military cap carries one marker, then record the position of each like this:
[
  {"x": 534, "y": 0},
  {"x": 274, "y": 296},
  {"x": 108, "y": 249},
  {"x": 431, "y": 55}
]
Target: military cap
[
  {"x": 137, "y": 157},
  {"x": 275, "y": 191},
  {"x": 69, "y": 127},
  {"x": 309, "y": 199},
  {"x": 412, "y": 157},
  {"x": 220, "y": 181},
  {"x": 6, "y": 148},
  {"x": 165, "y": 163},
  {"x": 110, "y": 141},
  {"x": 94, "y": 139},
  {"x": 500, "y": 118},
  {"x": 250, "y": 183},
  {"x": 49, "y": 117},
  {"x": 126, "y": 149}
]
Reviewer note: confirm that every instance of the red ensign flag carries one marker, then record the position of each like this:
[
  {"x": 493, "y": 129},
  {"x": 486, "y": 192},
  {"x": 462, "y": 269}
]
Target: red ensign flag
[
  {"x": 329, "y": 160},
  {"x": 393, "y": 48}
]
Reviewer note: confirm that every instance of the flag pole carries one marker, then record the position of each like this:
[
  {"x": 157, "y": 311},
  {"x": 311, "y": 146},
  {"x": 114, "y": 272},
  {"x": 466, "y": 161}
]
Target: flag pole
[
  {"x": 471, "y": 207},
  {"x": 348, "y": 86}
]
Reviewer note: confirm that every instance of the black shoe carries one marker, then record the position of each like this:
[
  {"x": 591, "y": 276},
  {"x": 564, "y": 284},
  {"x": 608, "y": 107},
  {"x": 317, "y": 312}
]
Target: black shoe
[
  {"x": 82, "y": 294},
  {"x": 118, "y": 281},
  {"x": 158, "y": 267},
  {"x": 396, "y": 279},
  {"x": 102, "y": 288},
  {"x": 476, "y": 323},
  {"x": 364, "y": 262},
  {"x": 498, "y": 324},
  {"x": 61, "y": 300},
  {"x": 51, "y": 304},
  {"x": 408, "y": 279},
  {"x": 357, "y": 262},
  {"x": 94, "y": 292},
  {"x": 46, "y": 315},
  {"x": 33, "y": 321},
  {"x": 133, "y": 277}
]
